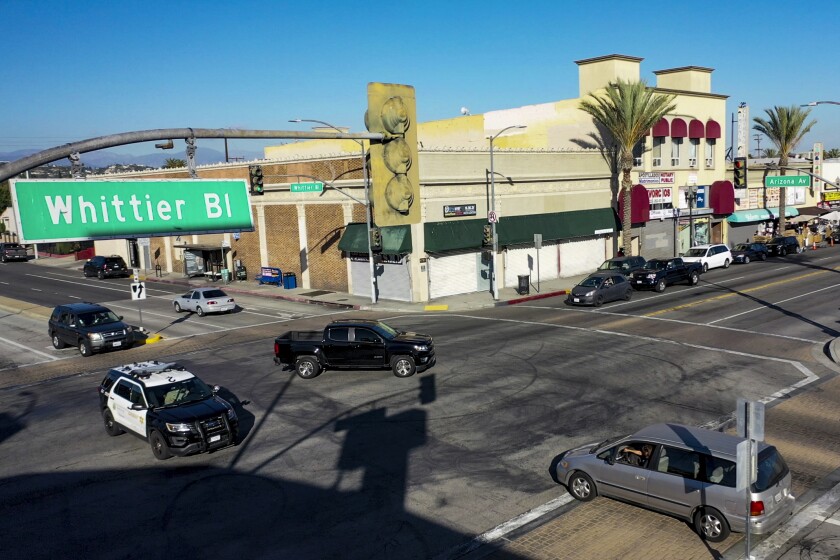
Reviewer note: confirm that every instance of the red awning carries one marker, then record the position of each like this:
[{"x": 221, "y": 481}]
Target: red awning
[
  {"x": 639, "y": 205},
  {"x": 678, "y": 128},
  {"x": 722, "y": 197},
  {"x": 660, "y": 129},
  {"x": 712, "y": 129},
  {"x": 696, "y": 129}
]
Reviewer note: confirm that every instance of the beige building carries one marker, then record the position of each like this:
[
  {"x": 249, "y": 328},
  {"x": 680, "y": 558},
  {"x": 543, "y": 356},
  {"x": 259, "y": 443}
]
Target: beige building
[{"x": 550, "y": 178}]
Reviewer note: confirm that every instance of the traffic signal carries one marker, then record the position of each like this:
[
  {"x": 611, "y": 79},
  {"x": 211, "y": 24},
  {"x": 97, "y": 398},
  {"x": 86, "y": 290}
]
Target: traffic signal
[
  {"x": 256, "y": 174},
  {"x": 739, "y": 166},
  {"x": 395, "y": 179},
  {"x": 487, "y": 236},
  {"x": 375, "y": 238}
]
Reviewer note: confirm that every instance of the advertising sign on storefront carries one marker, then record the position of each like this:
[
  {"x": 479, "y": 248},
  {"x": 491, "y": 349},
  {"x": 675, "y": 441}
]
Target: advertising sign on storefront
[
  {"x": 656, "y": 177},
  {"x": 661, "y": 202}
]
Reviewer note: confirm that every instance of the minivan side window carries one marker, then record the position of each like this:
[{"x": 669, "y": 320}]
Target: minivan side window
[
  {"x": 720, "y": 471},
  {"x": 680, "y": 462}
]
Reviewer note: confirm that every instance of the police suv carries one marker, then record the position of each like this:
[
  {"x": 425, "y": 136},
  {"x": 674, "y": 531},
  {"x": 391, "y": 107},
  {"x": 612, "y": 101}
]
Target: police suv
[{"x": 172, "y": 409}]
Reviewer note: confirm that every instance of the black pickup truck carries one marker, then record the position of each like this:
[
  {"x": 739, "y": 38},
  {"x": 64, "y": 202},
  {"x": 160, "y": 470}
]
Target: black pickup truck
[
  {"x": 348, "y": 344},
  {"x": 659, "y": 273},
  {"x": 13, "y": 252}
]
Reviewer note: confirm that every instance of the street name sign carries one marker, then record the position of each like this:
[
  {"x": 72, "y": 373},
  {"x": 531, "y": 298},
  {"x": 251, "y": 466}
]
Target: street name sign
[
  {"x": 787, "y": 181},
  {"x": 308, "y": 187},
  {"x": 59, "y": 210}
]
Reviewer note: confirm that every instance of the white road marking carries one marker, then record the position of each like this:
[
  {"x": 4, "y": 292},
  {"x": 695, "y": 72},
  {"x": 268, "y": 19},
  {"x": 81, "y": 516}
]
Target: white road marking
[
  {"x": 124, "y": 289},
  {"x": 773, "y": 303},
  {"x": 28, "y": 349}
]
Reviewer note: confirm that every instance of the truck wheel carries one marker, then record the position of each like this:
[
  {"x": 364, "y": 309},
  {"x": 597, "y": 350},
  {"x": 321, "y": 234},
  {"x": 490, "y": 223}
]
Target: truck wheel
[
  {"x": 660, "y": 286},
  {"x": 693, "y": 279},
  {"x": 101, "y": 275},
  {"x": 307, "y": 367},
  {"x": 58, "y": 344},
  {"x": 160, "y": 449},
  {"x": 111, "y": 427},
  {"x": 403, "y": 366}
]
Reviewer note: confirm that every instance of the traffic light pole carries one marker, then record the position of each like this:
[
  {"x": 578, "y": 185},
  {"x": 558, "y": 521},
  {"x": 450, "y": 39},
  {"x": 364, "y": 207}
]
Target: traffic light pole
[{"x": 367, "y": 217}]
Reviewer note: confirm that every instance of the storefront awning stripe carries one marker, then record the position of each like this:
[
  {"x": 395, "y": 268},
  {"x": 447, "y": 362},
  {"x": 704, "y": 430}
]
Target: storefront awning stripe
[{"x": 760, "y": 215}]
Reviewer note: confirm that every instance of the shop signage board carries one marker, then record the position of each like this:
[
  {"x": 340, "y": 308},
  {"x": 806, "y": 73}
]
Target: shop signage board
[
  {"x": 656, "y": 177},
  {"x": 61, "y": 210},
  {"x": 307, "y": 187},
  {"x": 661, "y": 202},
  {"x": 831, "y": 196},
  {"x": 458, "y": 210},
  {"x": 787, "y": 181}
]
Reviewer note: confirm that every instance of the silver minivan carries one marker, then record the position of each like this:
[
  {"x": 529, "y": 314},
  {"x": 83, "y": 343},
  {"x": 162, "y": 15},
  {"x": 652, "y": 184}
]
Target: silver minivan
[{"x": 683, "y": 471}]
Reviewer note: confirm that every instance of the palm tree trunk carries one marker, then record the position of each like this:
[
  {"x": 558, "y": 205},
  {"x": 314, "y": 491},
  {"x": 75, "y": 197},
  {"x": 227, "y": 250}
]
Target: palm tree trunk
[
  {"x": 626, "y": 218},
  {"x": 783, "y": 161}
]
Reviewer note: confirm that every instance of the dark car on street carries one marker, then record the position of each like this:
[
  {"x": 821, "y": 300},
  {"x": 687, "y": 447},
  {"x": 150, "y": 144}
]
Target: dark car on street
[
  {"x": 626, "y": 265},
  {"x": 90, "y": 327},
  {"x": 660, "y": 273},
  {"x": 106, "y": 267},
  {"x": 746, "y": 252},
  {"x": 13, "y": 252},
  {"x": 599, "y": 288},
  {"x": 781, "y": 246}
]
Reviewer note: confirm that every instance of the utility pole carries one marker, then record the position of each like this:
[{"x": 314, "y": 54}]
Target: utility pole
[{"x": 757, "y": 138}]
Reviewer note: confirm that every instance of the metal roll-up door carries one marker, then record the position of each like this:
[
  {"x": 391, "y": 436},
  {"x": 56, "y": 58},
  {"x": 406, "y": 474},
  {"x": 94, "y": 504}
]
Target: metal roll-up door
[
  {"x": 452, "y": 274},
  {"x": 523, "y": 260},
  {"x": 581, "y": 256}
]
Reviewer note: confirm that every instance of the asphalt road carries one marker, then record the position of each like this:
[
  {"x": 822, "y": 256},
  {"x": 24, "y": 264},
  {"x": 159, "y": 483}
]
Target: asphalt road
[{"x": 365, "y": 465}]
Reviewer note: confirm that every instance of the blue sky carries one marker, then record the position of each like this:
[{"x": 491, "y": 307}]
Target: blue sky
[{"x": 77, "y": 70}]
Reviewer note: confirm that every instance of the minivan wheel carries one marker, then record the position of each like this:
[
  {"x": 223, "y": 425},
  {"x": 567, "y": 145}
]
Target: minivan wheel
[
  {"x": 581, "y": 487},
  {"x": 711, "y": 525},
  {"x": 726, "y": 263},
  {"x": 705, "y": 267}
]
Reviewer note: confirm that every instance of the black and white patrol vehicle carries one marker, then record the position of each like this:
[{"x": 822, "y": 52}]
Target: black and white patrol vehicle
[{"x": 172, "y": 409}]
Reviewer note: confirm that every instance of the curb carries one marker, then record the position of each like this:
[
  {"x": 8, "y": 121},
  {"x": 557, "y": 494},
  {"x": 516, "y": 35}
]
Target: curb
[{"x": 532, "y": 298}]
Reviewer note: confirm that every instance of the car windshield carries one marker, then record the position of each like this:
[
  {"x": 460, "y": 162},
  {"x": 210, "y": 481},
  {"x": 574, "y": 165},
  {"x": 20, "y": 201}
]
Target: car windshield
[
  {"x": 12, "y": 246},
  {"x": 696, "y": 253},
  {"x": 656, "y": 264},
  {"x": 214, "y": 293},
  {"x": 386, "y": 331},
  {"x": 742, "y": 247},
  {"x": 591, "y": 282},
  {"x": 607, "y": 442},
  {"x": 181, "y": 392},
  {"x": 97, "y": 318},
  {"x": 610, "y": 265}
]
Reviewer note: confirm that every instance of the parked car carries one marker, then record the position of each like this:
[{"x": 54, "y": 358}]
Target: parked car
[
  {"x": 13, "y": 252},
  {"x": 106, "y": 267},
  {"x": 599, "y": 288},
  {"x": 709, "y": 256},
  {"x": 746, "y": 252},
  {"x": 205, "y": 300},
  {"x": 355, "y": 344},
  {"x": 626, "y": 265},
  {"x": 90, "y": 327},
  {"x": 172, "y": 409},
  {"x": 784, "y": 245},
  {"x": 659, "y": 273},
  {"x": 682, "y": 471}
]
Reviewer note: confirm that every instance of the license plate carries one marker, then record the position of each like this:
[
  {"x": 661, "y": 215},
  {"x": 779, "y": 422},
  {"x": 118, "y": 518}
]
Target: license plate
[
  {"x": 118, "y": 343},
  {"x": 778, "y": 497},
  {"x": 638, "y": 281},
  {"x": 576, "y": 300},
  {"x": 215, "y": 438}
]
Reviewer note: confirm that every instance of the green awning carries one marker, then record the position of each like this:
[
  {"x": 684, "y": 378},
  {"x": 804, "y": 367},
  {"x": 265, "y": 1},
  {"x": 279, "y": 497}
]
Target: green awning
[
  {"x": 515, "y": 230},
  {"x": 396, "y": 240},
  {"x": 759, "y": 215}
]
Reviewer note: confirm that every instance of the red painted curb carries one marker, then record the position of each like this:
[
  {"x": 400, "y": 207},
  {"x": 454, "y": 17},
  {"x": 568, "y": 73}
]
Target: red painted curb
[{"x": 537, "y": 296}]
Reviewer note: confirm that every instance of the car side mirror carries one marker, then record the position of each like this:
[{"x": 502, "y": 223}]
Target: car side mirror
[
  {"x": 611, "y": 460},
  {"x": 216, "y": 389},
  {"x": 120, "y": 317}
]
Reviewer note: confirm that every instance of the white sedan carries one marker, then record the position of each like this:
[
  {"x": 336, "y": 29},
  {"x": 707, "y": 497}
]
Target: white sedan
[{"x": 205, "y": 300}]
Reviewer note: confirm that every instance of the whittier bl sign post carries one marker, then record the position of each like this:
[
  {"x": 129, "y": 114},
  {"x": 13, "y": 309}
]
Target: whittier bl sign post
[{"x": 60, "y": 210}]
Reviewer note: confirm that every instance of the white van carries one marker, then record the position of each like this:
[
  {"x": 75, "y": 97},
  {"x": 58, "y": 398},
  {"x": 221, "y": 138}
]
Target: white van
[{"x": 710, "y": 256}]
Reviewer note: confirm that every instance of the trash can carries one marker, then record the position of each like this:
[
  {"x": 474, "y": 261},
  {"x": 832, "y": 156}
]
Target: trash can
[
  {"x": 524, "y": 284},
  {"x": 225, "y": 275},
  {"x": 289, "y": 280},
  {"x": 241, "y": 273}
]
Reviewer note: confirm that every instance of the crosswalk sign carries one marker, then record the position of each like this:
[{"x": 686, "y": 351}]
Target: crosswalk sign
[{"x": 138, "y": 290}]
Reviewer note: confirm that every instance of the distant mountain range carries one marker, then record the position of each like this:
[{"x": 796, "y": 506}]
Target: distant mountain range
[{"x": 104, "y": 158}]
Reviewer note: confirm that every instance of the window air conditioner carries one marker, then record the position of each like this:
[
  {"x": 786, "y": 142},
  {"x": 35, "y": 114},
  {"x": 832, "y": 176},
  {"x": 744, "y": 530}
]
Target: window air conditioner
[
  {"x": 708, "y": 162},
  {"x": 657, "y": 162},
  {"x": 692, "y": 162},
  {"x": 637, "y": 162},
  {"x": 675, "y": 161}
]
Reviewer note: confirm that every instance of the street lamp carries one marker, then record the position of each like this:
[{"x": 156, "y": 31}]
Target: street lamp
[
  {"x": 691, "y": 195},
  {"x": 815, "y": 103},
  {"x": 367, "y": 203},
  {"x": 495, "y": 284}
]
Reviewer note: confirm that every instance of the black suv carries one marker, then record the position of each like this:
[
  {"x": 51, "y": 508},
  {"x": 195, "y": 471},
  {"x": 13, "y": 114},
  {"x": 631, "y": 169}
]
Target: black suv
[
  {"x": 626, "y": 265},
  {"x": 172, "y": 409},
  {"x": 90, "y": 327},
  {"x": 782, "y": 246},
  {"x": 106, "y": 267}
]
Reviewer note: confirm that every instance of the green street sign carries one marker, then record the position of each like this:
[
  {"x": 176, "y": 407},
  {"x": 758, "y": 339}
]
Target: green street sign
[
  {"x": 50, "y": 210},
  {"x": 308, "y": 187},
  {"x": 788, "y": 181}
]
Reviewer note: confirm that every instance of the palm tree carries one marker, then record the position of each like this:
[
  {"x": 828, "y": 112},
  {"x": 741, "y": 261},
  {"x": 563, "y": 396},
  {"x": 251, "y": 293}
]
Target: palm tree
[
  {"x": 628, "y": 110},
  {"x": 785, "y": 127},
  {"x": 770, "y": 152},
  {"x": 172, "y": 163},
  {"x": 833, "y": 153}
]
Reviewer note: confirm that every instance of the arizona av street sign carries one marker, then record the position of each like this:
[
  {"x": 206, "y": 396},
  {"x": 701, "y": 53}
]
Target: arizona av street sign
[
  {"x": 50, "y": 210},
  {"x": 788, "y": 181}
]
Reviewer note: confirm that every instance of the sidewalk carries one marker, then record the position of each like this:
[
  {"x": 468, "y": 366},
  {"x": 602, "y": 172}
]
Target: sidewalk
[{"x": 804, "y": 427}]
